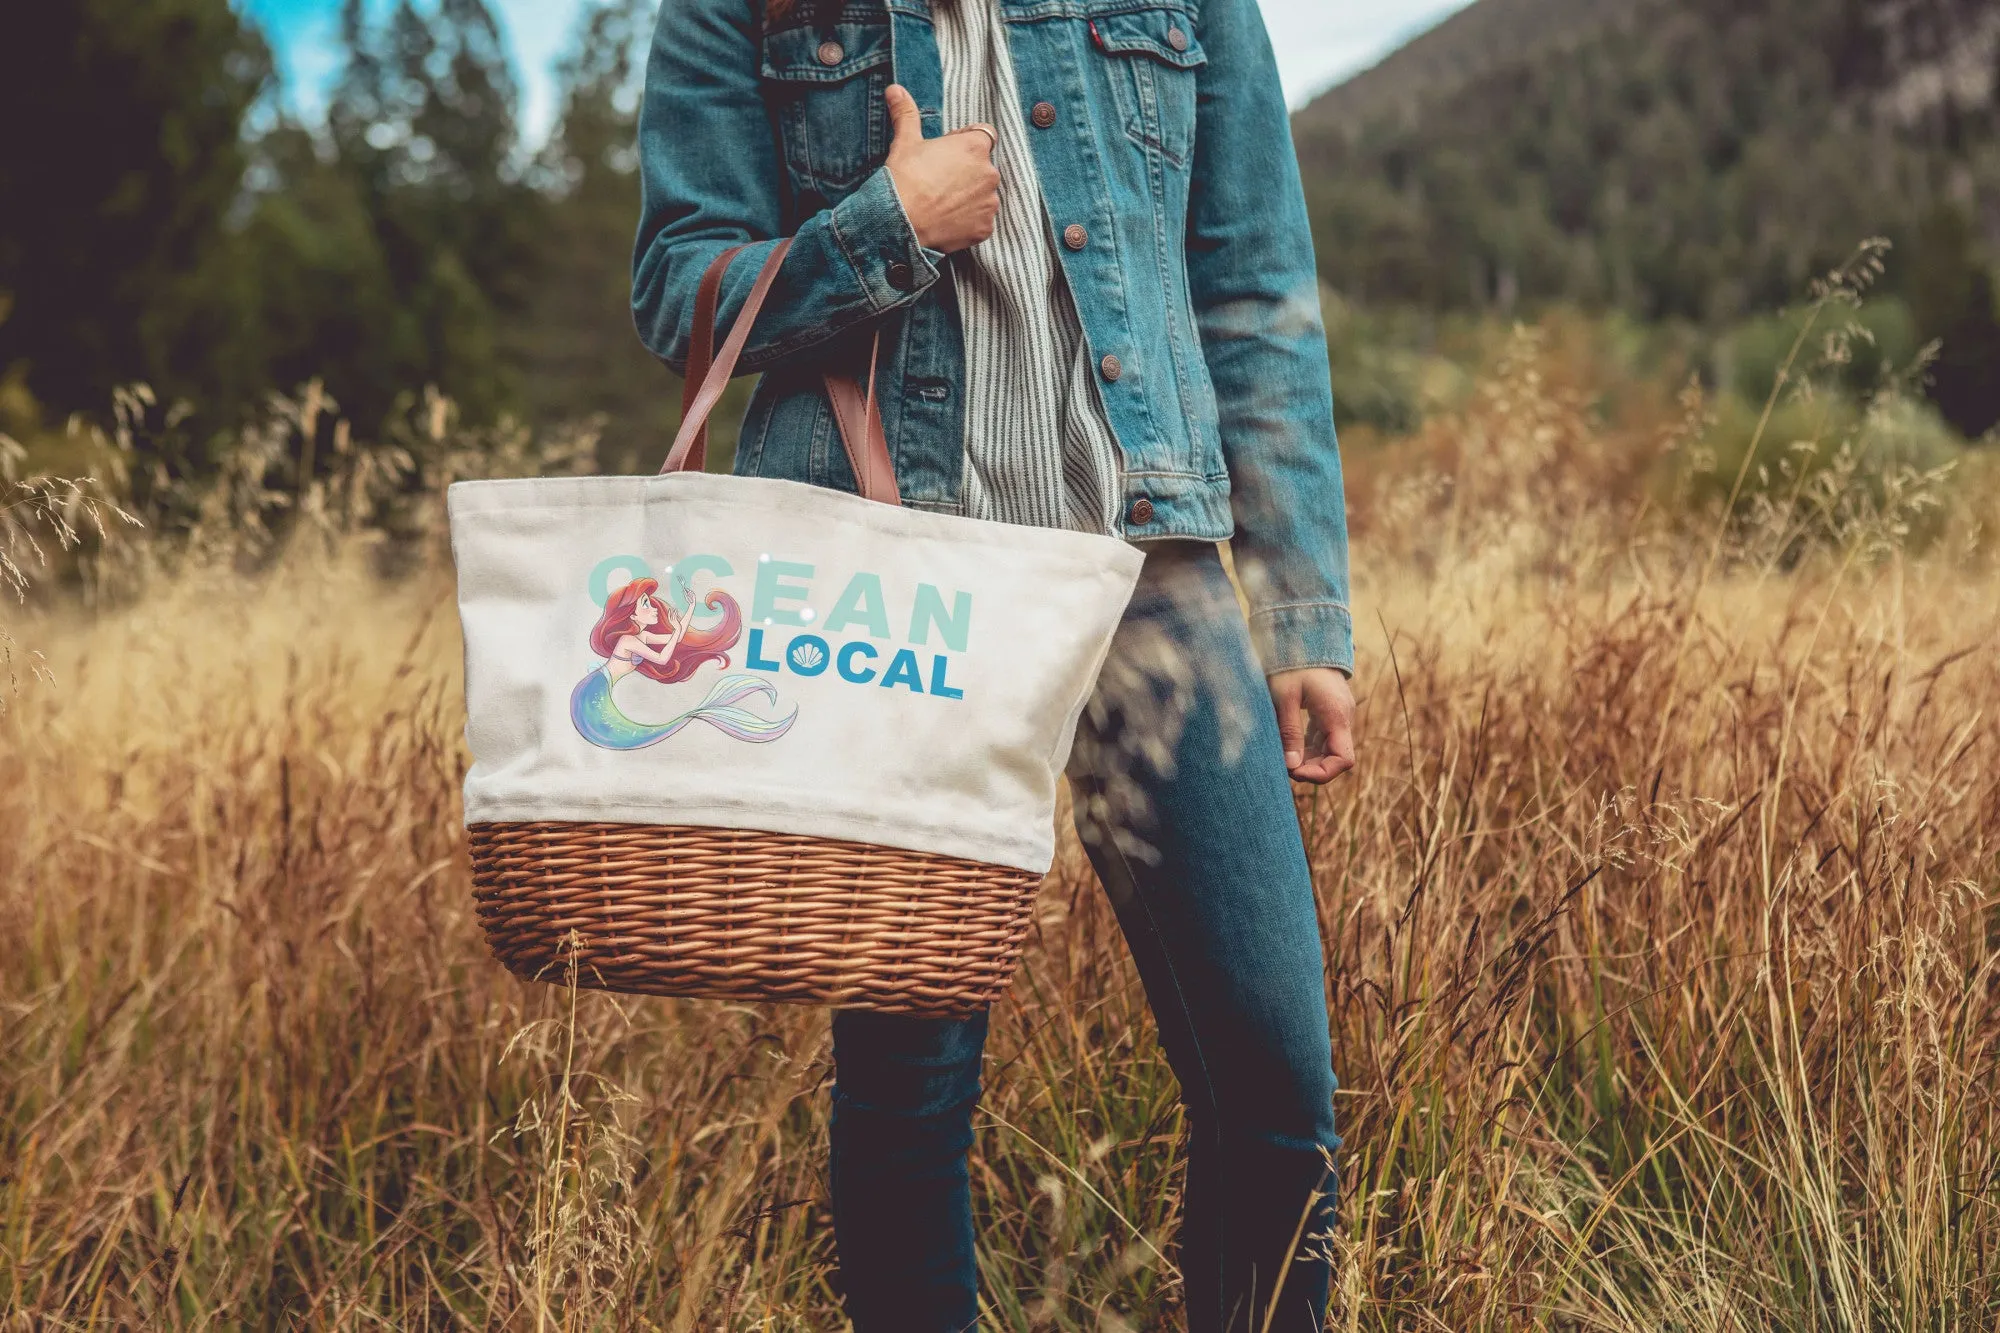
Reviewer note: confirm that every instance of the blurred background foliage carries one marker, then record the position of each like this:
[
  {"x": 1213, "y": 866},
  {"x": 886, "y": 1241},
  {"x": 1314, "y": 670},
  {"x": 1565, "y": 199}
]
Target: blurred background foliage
[
  {"x": 171, "y": 223},
  {"x": 1670, "y": 172},
  {"x": 1690, "y": 163}
]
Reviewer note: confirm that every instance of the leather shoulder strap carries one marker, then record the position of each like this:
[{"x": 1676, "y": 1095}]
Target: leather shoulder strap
[
  {"x": 858, "y": 415},
  {"x": 695, "y": 410},
  {"x": 860, "y": 421},
  {"x": 701, "y": 350}
]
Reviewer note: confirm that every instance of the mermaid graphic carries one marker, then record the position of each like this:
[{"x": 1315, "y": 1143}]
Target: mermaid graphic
[{"x": 637, "y": 633}]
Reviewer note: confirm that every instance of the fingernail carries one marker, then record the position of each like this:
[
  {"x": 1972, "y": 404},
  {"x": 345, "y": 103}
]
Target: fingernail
[{"x": 1293, "y": 759}]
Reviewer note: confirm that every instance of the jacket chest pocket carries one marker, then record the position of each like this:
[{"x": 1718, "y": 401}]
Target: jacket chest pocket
[
  {"x": 1154, "y": 59},
  {"x": 826, "y": 87}
]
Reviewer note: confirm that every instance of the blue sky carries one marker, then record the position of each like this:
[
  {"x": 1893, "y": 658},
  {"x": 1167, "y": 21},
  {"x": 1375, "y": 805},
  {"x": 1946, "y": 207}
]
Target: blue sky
[{"x": 1318, "y": 41}]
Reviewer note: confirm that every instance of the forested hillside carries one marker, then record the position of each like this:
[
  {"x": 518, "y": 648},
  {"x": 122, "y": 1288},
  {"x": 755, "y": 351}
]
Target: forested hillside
[
  {"x": 1469, "y": 43},
  {"x": 163, "y": 220},
  {"x": 1677, "y": 159}
]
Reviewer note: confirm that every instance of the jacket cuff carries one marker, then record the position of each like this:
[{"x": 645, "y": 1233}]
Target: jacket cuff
[
  {"x": 1307, "y": 634},
  {"x": 881, "y": 246}
]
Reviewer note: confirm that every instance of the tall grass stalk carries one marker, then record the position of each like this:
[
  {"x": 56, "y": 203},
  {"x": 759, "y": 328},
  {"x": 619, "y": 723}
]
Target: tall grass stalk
[{"x": 1659, "y": 926}]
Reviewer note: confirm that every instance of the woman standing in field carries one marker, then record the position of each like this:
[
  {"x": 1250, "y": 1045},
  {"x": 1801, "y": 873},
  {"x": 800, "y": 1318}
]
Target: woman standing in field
[{"x": 1079, "y": 229}]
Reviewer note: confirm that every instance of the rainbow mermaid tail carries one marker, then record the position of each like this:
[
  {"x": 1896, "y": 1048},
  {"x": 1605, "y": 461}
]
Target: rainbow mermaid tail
[{"x": 599, "y": 721}]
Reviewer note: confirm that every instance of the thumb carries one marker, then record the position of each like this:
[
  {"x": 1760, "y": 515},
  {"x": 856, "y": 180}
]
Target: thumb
[
  {"x": 906, "y": 123},
  {"x": 1285, "y": 697}
]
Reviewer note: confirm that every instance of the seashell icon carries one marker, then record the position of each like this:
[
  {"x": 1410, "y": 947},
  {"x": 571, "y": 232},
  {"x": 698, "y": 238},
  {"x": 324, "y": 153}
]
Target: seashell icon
[{"x": 806, "y": 656}]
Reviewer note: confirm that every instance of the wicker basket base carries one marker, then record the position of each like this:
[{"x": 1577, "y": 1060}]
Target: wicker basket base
[{"x": 732, "y": 915}]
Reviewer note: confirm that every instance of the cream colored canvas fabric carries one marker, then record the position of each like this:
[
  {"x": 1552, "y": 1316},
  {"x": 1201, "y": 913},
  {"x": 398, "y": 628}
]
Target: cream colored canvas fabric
[{"x": 733, "y": 652}]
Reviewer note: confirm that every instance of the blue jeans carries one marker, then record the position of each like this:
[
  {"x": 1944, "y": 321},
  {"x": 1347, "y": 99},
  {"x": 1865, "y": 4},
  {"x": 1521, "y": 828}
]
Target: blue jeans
[{"x": 1201, "y": 855}]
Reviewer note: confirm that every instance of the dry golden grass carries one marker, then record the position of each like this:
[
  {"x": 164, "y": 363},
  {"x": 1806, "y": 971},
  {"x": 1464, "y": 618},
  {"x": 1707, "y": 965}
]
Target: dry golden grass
[{"x": 1659, "y": 926}]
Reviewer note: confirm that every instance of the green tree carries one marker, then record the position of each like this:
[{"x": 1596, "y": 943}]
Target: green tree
[
  {"x": 1953, "y": 297},
  {"x": 580, "y": 355},
  {"x": 120, "y": 164},
  {"x": 413, "y": 241}
]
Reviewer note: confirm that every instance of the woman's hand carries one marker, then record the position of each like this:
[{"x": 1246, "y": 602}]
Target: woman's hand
[
  {"x": 1324, "y": 695},
  {"x": 949, "y": 187}
]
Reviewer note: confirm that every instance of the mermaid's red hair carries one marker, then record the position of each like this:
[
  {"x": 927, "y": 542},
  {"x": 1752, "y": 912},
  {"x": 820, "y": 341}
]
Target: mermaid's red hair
[{"x": 621, "y": 618}]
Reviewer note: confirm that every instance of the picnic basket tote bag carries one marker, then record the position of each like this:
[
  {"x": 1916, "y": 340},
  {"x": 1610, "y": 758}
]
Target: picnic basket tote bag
[{"x": 742, "y": 738}]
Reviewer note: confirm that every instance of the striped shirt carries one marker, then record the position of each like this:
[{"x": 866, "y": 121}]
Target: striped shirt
[{"x": 1039, "y": 449}]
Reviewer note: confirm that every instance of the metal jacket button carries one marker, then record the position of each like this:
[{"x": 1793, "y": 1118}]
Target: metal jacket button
[
  {"x": 1075, "y": 236},
  {"x": 902, "y": 277},
  {"x": 1177, "y": 39},
  {"x": 1142, "y": 512},
  {"x": 832, "y": 53},
  {"x": 1112, "y": 368},
  {"x": 1044, "y": 115}
]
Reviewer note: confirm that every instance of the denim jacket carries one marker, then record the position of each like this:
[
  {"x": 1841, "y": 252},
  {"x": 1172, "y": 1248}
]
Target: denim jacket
[{"x": 1157, "y": 125}]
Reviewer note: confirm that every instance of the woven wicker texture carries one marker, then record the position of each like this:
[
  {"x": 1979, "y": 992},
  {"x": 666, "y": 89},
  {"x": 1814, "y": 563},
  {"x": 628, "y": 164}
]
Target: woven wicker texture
[{"x": 738, "y": 915}]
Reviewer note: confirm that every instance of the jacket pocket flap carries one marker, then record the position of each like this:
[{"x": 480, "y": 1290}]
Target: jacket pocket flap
[
  {"x": 825, "y": 55},
  {"x": 1164, "y": 34}
]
